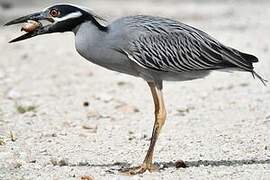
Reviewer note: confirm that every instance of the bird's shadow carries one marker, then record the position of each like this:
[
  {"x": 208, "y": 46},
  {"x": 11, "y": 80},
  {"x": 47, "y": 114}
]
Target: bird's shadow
[{"x": 119, "y": 166}]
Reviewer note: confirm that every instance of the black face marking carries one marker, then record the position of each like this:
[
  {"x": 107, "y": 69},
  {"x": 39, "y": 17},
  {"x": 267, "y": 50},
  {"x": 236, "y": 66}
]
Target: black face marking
[{"x": 63, "y": 10}]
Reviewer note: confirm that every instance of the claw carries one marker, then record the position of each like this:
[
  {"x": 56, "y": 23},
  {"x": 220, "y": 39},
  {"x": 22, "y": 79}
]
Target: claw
[{"x": 139, "y": 169}]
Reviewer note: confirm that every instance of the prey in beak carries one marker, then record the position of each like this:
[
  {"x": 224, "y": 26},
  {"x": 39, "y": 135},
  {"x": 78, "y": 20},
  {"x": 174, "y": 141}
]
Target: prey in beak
[
  {"x": 61, "y": 18},
  {"x": 32, "y": 25}
]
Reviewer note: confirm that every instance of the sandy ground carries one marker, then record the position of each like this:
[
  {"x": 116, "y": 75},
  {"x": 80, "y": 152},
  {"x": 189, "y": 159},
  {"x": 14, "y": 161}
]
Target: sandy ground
[{"x": 218, "y": 125}]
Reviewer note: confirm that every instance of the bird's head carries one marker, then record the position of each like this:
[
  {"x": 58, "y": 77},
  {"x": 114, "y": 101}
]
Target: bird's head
[{"x": 61, "y": 18}]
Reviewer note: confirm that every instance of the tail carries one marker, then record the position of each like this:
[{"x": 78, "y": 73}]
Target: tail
[
  {"x": 249, "y": 57},
  {"x": 254, "y": 74},
  {"x": 242, "y": 61},
  {"x": 253, "y": 59}
]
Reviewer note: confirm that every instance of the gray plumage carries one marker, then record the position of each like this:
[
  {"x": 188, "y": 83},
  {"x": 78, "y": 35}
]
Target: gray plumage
[{"x": 158, "y": 49}]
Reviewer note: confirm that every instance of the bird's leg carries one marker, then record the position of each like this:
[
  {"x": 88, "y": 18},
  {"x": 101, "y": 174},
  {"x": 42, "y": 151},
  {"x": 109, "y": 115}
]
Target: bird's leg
[{"x": 160, "y": 116}]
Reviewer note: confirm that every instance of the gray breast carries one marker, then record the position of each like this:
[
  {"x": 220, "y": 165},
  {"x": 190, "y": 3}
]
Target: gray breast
[{"x": 101, "y": 48}]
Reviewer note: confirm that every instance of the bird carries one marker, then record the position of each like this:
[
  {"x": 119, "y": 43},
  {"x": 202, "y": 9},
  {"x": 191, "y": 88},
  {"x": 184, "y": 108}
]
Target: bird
[{"x": 153, "y": 48}]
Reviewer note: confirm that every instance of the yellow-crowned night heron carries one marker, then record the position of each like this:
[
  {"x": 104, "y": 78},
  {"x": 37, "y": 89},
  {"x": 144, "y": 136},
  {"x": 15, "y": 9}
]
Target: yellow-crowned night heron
[{"x": 152, "y": 48}]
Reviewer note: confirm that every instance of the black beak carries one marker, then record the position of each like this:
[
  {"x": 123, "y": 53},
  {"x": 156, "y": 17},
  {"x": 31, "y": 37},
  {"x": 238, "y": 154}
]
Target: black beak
[{"x": 35, "y": 17}]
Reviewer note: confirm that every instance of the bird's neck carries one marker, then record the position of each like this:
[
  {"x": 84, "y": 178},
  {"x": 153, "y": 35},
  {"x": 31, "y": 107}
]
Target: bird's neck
[
  {"x": 97, "y": 24},
  {"x": 91, "y": 19},
  {"x": 88, "y": 38}
]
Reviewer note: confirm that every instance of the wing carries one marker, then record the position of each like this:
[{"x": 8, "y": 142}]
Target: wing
[
  {"x": 166, "y": 45},
  {"x": 181, "y": 51}
]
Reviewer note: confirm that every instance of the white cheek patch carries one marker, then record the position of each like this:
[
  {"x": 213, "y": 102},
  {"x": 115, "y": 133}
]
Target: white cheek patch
[{"x": 69, "y": 16}]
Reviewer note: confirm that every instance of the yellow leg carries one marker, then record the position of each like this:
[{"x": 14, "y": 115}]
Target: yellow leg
[{"x": 160, "y": 117}]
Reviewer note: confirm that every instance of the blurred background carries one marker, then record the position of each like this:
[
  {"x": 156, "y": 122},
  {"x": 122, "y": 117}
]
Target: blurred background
[{"x": 57, "y": 107}]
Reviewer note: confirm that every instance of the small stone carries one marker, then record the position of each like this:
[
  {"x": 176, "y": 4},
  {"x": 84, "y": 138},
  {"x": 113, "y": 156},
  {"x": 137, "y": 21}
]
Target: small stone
[
  {"x": 126, "y": 108},
  {"x": 24, "y": 109},
  {"x": 63, "y": 162},
  {"x": 180, "y": 164},
  {"x": 12, "y": 136},
  {"x": 104, "y": 97},
  {"x": 17, "y": 165},
  {"x": 86, "y": 178},
  {"x": 90, "y": 73},
  {"x": 131, "y": 138},
  {"x": 144, "y": 136},
  {"x": 230, "y": 87},
  {"x": 93, "y": 114},
  {"x": 2, "y": 142},
  {"x": 86, "y": 104},
  {"x": 33, "y": 161},
  {"x": 121, "y": 83},
  {"x": 13, "y": 94},
  {"x": 244, "y": 84},
  {"x": 43, "y": 151},
  {"x": 83, "y": 163},
  {"x": 54, "y": 162},
  {"x": 184, "y": 111},
  {"x": 24, "y": 56},
  {"x": 90, "y": 128}
]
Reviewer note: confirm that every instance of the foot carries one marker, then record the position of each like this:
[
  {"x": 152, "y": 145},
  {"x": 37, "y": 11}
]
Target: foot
[{"x": 140, "y": 169}]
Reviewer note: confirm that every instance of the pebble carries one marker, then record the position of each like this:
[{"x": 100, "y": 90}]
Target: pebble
[
  {"x": 86, "y": 104},
  {"x": 83, "y": 163},
  {"x": 180, "y": 164},
  {"x": 104, "y": 97},
  {"x": 86, "y": 178},
  {"x": 54, "y": 161},
  {"x": 93, "y": 114},
  {"x": 63, "y": 162},
  {"x": 91, "y": 129},
  {"x": 126, "y": 108},
  {"x": 13, "y": 94},
  {"x": 17, "y": 165}
]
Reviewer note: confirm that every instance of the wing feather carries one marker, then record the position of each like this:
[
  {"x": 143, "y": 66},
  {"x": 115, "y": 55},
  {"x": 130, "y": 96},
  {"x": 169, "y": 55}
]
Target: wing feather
[
  {"x": 178, "y": 52},
  {"x": 166, "y": 45}
]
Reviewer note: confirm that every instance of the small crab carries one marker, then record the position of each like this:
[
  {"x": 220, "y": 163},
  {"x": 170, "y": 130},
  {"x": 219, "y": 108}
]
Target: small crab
[{"x": 31, "y": 26}]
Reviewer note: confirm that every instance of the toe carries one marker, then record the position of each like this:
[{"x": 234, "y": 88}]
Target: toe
[
  {"x": 153, "y": 168},
  {"x": 140, "y": 169},
  {"x": 134, "y": 170}
]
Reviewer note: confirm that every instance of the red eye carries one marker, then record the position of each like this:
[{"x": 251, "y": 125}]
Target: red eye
[{"x": 54, "y": 13}]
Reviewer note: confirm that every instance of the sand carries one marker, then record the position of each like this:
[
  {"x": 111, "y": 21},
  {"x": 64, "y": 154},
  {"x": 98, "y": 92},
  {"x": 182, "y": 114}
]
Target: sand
[{"x": 62, "y": 117}]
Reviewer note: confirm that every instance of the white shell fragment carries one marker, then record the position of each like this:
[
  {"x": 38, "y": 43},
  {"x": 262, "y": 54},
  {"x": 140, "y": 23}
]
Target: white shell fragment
[{"x": 30, "y": 26}]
